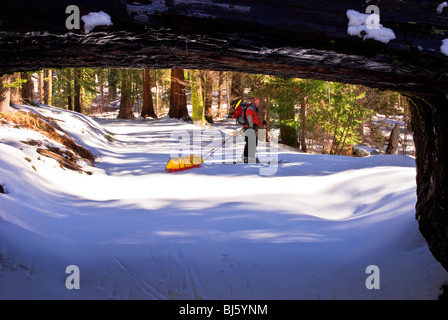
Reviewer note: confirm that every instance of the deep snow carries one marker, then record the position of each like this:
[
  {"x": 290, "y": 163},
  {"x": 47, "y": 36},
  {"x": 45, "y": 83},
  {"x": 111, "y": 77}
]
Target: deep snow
[{"x": 308, "y": 231}]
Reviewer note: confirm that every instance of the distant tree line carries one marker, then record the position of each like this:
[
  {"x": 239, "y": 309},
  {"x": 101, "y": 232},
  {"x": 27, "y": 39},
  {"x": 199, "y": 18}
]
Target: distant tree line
[{"x": 308, "y": 113}]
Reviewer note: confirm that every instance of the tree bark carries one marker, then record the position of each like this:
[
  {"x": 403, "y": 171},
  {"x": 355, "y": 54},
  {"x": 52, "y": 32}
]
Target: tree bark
[
  {"x": 69, "y": 89},
  {"x": 41, "y": 91},
  {"x": 264, "y": 115},
  {"x": 15, "y": 90},
  {"x": 27, "y": 90},
  {"x": 208, "y": 96},
  {"x": 5, "y": 93},
  {"x": 220, "y": 97},
  {"x": 287, "y": 38},
  {"x": 77, "y": 74},
  {"x": 429, "y": 119},
  {"x": 197, "y": 100},
  {"x": 126, "y": 103},
  {"x": 148, "y": 105},
  {"x": 48, "y": 87},
  {"x": 394, "y": 139},
  {"x": 113, "y": 80},
  {"x": 303, "y": 112},
  {"x": 178, "y": 98}
]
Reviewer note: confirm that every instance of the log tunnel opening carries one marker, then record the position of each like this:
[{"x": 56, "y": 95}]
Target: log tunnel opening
[{"x": 301, "y": 39}]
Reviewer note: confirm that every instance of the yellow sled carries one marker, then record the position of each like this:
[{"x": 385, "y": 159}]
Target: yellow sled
[
  {"x": 192, "y": 161},
  {"x": 184, "y": 163}
]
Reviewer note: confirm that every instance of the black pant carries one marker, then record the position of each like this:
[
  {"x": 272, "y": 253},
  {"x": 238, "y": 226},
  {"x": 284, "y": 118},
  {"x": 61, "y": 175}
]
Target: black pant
[{"x": 249, "y": 151}]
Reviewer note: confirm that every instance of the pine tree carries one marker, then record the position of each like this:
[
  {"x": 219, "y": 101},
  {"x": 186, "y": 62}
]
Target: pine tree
[
  {"x": 69, "y": 88},
  {"x": 148, "y": 105},
  {"x": 236, "y": 91},
  {"x": 16, "y": 83},
  {"x": 48, "y": 87},
  {"x": 220, "y": 93},
  {"x": 4, "y": 93},
  {"x": 257, "y": 85},
  {"x": 27, "y": 90},
  {"x": 113, "y": 79},
  {"x": 40, "y": 90},
  {"x": 303, "y": 134},
  {"x": 283, "y": 93},
  {"x": 197, "y": 100},
  {"x": 208, "y": 95},
  {"x": 178, "y": 98},
  {"x": 126, "y": 101},
  {"x": 77, "y": 74}
]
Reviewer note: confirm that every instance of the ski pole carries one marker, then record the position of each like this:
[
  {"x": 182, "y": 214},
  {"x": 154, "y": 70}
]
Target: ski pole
[{"x": 212, "y": 151}]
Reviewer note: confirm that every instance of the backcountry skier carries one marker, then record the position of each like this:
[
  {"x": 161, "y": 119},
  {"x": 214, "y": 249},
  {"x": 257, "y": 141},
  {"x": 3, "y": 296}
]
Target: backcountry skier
[{"x": 246, "y": 114}]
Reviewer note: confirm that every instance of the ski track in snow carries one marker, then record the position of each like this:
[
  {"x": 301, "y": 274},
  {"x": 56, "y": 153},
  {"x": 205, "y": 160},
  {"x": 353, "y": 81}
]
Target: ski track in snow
[
  {"x": 214, "y": 232},
  {"x": 148, "y": 289}
]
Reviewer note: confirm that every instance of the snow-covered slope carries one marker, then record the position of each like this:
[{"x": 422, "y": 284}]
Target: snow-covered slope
[{"x": 308, "y": 231}]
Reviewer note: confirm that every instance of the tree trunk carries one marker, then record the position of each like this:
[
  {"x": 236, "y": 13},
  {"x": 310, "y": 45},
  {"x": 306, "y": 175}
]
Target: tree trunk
[
  {"x": 303, "y": 124},
  {"x": 69, "y": 89},
  {"x": 429, "y": 119},
  {"x": 77, "y": 85},
  {"x": 41, "y": 87},
  {"x": 5, "y": 93},
  {"x": 264, "y": 115},
  {"x": 27, "y": 91},
  {"x": 197, "y": 101},
  {"x": 394, "y": 139},
  {"x": 113, "y": 80},
  {"x": 15, "y": 97},
  {"x": 157, "y": 106},
  {"x": 48, "y": 87},
  {"x": 208, "y": 94},
  {"x": 126, "y": 103},
  {"x": 100, "y": 76},
  {"x": 220, "y": 98},
  {"x": 228, "y": 86},
  {"x": 236, "y": 92},
  {"x": 178, "y": 99},
  {"x": 148, "y": 105}
]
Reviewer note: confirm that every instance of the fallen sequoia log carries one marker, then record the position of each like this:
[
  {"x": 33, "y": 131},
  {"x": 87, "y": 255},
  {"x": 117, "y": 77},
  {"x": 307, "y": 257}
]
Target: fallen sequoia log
[
  {"x": 319, "y": 39},
  {"x": 306, "y": 39},
  {"x": 63, "y": 162}
]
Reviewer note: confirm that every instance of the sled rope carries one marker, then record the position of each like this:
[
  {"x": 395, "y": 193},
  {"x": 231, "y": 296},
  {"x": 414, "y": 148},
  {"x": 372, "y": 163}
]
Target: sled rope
[{"x": 212, "y": 151}]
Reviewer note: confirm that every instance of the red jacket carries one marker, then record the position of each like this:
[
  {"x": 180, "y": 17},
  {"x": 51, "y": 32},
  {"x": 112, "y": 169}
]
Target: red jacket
[{"x": 251, "y": 116}]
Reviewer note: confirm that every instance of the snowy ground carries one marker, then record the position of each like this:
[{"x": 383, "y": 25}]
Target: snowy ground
[{"x": 307, "y": 230}]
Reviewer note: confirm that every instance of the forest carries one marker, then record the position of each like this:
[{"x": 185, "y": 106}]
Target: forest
[{"x": 311, "y": 115}]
